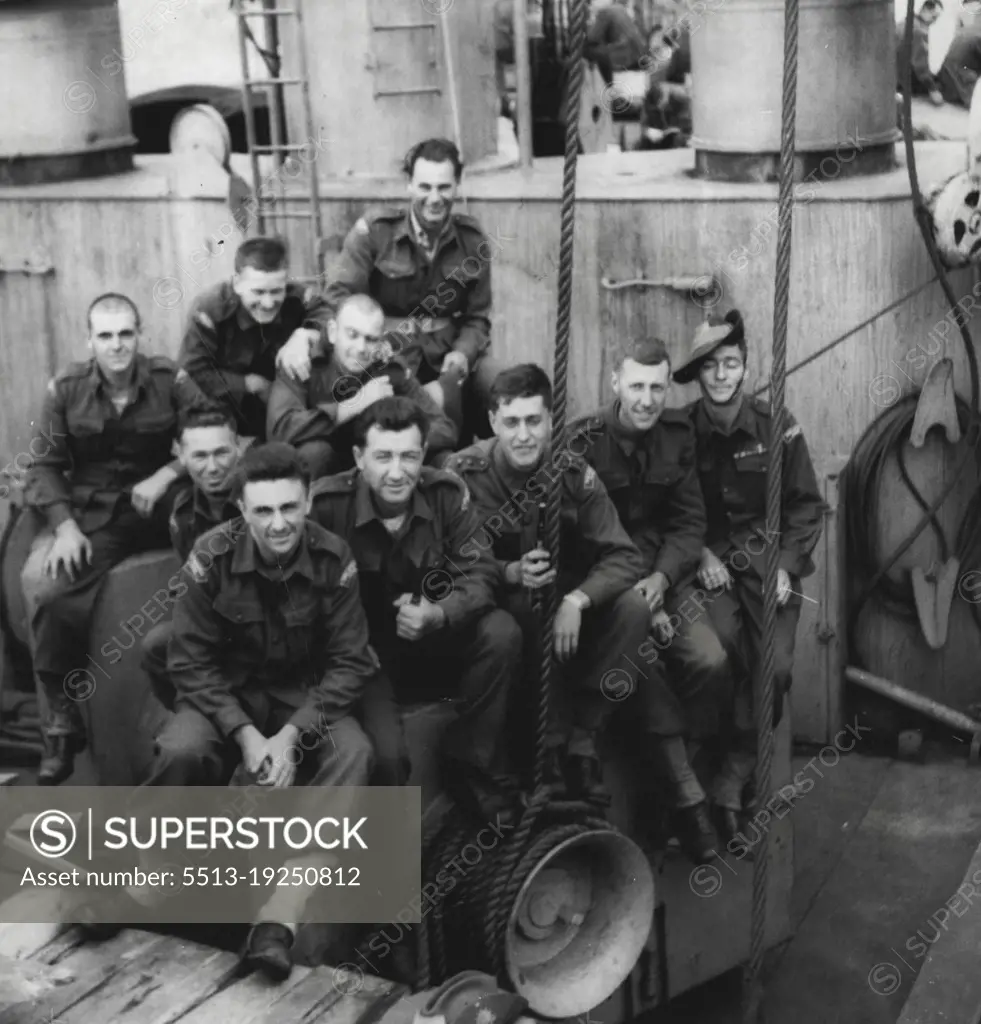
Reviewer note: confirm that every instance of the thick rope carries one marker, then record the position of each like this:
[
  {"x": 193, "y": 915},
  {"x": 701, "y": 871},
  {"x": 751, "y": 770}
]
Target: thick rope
[{"x": 763, "y": 698}]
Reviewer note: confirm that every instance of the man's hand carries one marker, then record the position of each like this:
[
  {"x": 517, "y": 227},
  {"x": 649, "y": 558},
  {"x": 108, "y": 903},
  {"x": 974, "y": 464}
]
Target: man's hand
[
  {"x": 661, "y": 625},
  {"x": 712, "y": 574},
  {"x": 256, "y": 384},
  {"x": 565, "y": 636},
  {"x": 376, "y": 388},
  {"x": 783, "y": 587},
  {"x": 652, "y": 589},
  {"x": 147, "y": 493},
  {"x": 253, "y": 746},
  {"x": 937, "y": 98},
  {"x": 71, "y": 550},
  {"x": 455, "y": 362},
  {"x": 280, "y": 750},
  {"x": 296, "y": 356},
  {"x": 417, "y": 618},
  {"x": 532, "y": 572}
]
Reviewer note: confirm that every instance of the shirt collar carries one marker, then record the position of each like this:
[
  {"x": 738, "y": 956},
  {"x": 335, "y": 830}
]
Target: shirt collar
[
  {"x": 141, "y": 373},
  {"x": 365, "y": 510},
  {"x": 244, "y": 319},
  {"x": 628, "y": 440},
  {"x": 420, "y": 237},
  {"x": 514, "y": 478},
  {"x": 246, "y": 558},
  {"x": 746, "y": 420}
]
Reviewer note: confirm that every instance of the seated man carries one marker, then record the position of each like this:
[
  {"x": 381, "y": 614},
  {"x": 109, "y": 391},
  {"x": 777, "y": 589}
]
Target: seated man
[
  {"x": 732, "y": 433},
  {"x": 269, "y": 657},
  {"x": 430, "y": 270},
  {"x": 614, "y": 42},
  {"x": 237, "y": 328},
  {"x": 602, "y": 621},
  {"x": 209, "y": 452},
  {"x": 356, "y": 369},
  {"x": 433, "y": 625},
  {"x": 923, "y": 81},
  {"x": 645, "y": 456},
  {"x": 108, "y": 427}
]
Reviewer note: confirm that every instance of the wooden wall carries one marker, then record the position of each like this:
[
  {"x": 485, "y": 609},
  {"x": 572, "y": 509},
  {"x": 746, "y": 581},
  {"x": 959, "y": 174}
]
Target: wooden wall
[{"x": 856, "y": 249}]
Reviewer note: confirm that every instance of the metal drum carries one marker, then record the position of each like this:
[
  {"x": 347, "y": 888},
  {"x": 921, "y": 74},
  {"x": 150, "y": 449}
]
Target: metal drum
[
  {"x": 65, "y": 111},
  {"x": 846, "y": 87}
]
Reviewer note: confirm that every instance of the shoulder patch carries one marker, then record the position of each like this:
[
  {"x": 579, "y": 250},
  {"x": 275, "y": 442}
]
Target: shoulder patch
[
  {"x": 589, "y": 479},
  {"x": 763, "y": 408},
  {"x": 350, "y": 573},
  {"x": 203, "y": 320},
  {"x": 360, "y": 227},
  {"x": 467, "y": 462},
  {"x": 792, "y": 432},
  {"x": 196, "y": 567},
  {"x": 451, "y": 474}
]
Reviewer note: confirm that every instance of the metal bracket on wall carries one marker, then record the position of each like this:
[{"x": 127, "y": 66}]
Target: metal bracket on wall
[
  {"x": 38, "y": 263},
  {"x": 703, "y": 289}
]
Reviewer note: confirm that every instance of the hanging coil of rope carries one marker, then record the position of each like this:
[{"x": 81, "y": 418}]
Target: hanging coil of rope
[{"x": 889, "y": 432}]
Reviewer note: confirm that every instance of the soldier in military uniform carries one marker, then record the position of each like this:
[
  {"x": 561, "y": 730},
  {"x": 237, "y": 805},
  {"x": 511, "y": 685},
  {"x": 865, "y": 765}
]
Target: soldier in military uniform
[
  {"x": 432, "y": 616},
  {"x": 733, "y": 437},
  {"x": 430, "y": 270},
  {"x": 645, "y": 456},
  {"x": 110, "y": 422},
  {"x": 209, "y": 452},
  {"x": 356, "y": 369},
  {"x": 270, "y": 658},
  {"x": 602, "y": 621},
  {"x": 237, "y": 329}
]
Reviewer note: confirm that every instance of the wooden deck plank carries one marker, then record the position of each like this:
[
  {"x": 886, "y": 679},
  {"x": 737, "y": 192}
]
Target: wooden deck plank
[
  {"x": 948, "y": 987},
  {"x": 325, "y": 989},
  {"x": 20, "y": 941},
  {"x": 168, "y": 980},
  {"x": 23, "y": 981},
  {"x": 245, "y": 1000}
]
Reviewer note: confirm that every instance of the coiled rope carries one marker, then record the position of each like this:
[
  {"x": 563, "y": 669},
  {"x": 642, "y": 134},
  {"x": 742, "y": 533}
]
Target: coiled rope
[{"x": 889, "y": 432}]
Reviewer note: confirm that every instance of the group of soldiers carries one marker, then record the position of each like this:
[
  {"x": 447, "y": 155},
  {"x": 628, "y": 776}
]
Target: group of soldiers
[{"x": 358, "y": 500}]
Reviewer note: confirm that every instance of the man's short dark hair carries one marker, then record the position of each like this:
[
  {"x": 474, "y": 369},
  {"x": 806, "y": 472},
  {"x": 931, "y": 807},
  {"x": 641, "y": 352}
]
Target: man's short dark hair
[
  {"x": 112, "y": 302},
  {"x": 526, "y": 380},
  {"x": 200, "y": 416},
  {"x": 264, "y": 254},
  {"x": 395, "y": 413},
  {"x": 437, "y": 151},
  {"x": 648, "y": 352},
  {"x": 274, "y": 460}
]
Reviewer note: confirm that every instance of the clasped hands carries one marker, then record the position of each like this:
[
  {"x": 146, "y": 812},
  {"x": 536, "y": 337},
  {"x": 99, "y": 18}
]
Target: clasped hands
[{"x": 270, "y": 759}]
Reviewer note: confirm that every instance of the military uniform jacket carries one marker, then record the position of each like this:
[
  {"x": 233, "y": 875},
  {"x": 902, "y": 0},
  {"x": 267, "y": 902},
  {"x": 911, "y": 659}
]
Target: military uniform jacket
[
  {"x": 652, "y": 480},
  {"x": 87, "y": 456},
  {"x": 301, "y": 412},
  {"x": 223, "y": 344},
  {"x": 733, "y": 468},
  {"x": 191, "y": 516},
  {"x": 426, "y": 558},
  {"x": 239, "y": 627},
  {"x": 380, "y": 257},
  {"x": 597, "y": 556}
]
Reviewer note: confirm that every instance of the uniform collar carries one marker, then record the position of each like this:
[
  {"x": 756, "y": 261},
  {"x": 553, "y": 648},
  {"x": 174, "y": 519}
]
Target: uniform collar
[
  {"x": 414, "y": 230},
  {"x": 628, "y": 440},
  {"x": 514, "y": 478},
  {"x": 246, "y": 560},
  {"x": 365, "y": 510},
  {"x": 141, "y": 373},
  {"x": 244, "y": 319},
  {"x": 746, "y": 420},
  {"x": 202, "y": 507}
]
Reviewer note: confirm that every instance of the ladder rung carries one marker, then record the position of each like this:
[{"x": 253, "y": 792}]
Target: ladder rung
[
  {"x": 258, "y": 83},
  {"x": 275, "y": 12},
  {"x": 292, "y": 147},
  {"x": 404, "y": 26}
]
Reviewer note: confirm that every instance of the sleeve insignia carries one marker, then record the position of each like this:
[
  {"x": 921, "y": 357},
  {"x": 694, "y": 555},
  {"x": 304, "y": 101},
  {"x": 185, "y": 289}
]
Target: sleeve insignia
[
  {"x": 360, "y": 227},
  {"x": 350, "y": 572},
  {"x": 205, "y": 321},
  {"x": 52, "y": 387},
  {"x": 589, "y": 479},
  {"x": 182, "y": 376},
  {"x": 792, "y": 432},
  {"x": 463, "y": 487},
  {"x": 196, "y": 567}
]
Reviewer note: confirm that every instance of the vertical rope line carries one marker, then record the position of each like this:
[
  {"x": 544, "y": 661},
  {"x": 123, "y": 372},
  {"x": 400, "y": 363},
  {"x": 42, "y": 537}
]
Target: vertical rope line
[{"x": 763, "y": 681}]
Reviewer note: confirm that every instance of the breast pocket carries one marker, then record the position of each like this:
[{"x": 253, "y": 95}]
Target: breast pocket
[
  {"x": 245, "y": 628},
  {"x": 305, "y": 625},
  {"x": 751, "y": 482},
  {"x": 655, "y": 491}
]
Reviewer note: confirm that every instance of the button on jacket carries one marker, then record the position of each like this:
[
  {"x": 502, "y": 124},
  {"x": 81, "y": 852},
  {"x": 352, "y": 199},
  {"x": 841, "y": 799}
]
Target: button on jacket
[
  {"x": 87, "y": 455},
  {"x": 241, "y": 626}
]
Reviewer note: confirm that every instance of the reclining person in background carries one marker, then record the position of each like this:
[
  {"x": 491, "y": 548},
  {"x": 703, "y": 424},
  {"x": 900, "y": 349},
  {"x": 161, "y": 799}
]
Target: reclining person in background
[
  {"x": 209, "y": 451},
  {"x": 430, "y": 270},
  {"x": 602, "y": 620},
  {"x": 433, "y": 624},
  {"x": 733, "y": 435},
  {"x": 269, "y": 657},
  {"x": 237, "y": 329},
  {"x": 110, "y": 422},
  {"x": 355, "y": 369},
  {"x": 645, "y": 456}
]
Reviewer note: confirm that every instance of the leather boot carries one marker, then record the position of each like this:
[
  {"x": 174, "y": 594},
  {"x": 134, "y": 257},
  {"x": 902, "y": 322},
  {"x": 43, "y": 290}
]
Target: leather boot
[
  {"x": 58, "y": 762},
  {"x": 584, "y": 779},
  {"x": 726, "y": 822},
  {"x": 268, "y": 949},
  {"x": 696, "y": 833}
]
